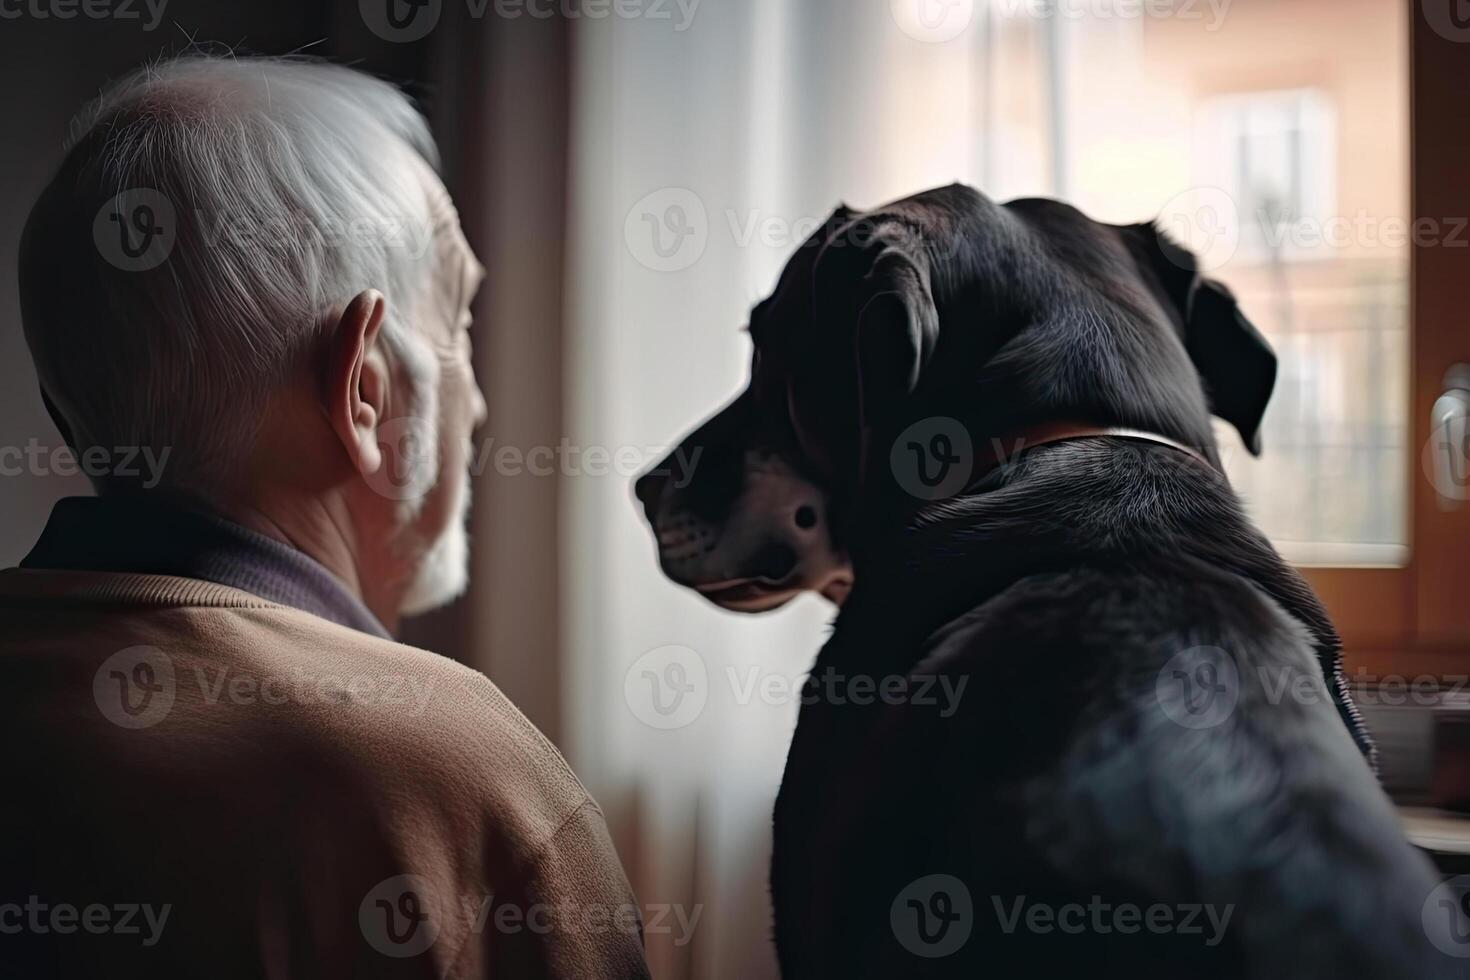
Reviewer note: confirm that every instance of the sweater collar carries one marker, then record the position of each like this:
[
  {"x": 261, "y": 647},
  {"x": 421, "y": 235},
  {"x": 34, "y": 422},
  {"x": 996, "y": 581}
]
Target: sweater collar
[{"x": 153, "y": 537}]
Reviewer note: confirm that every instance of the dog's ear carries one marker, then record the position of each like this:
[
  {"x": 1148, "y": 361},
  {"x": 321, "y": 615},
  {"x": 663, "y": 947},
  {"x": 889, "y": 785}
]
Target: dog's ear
[
  {"x": 877, "y": 327},
  {"x": 897, "y": 323},
  {"x": 1234, "y": 361},
  {"x": 58, "y": 420}
]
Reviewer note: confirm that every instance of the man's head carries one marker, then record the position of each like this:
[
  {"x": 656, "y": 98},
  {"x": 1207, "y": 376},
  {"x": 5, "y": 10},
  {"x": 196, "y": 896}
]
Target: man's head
[
  {"x": 948, "y": 313},
  {"x": 252, "y": 266}
]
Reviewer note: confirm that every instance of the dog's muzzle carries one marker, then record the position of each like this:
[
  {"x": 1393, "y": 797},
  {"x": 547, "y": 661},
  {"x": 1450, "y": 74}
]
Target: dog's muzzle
[{"x": 748, "y": 532}]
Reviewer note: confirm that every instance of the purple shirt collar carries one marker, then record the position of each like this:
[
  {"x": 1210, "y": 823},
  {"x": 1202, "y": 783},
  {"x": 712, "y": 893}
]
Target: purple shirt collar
[{"x": 156, "y": 537}]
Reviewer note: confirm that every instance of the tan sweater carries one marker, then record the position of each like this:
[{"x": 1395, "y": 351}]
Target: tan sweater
[{"x": 202, "y": 783}]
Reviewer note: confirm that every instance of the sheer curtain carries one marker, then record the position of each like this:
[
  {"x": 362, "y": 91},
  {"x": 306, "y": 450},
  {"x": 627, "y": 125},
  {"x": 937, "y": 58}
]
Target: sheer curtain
[{"x": 738, "y": 134}]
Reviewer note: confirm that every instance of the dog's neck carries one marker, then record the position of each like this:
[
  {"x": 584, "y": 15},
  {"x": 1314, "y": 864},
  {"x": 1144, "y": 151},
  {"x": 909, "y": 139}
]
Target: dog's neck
[
  {"x": 1038, "y": 514},
  {"x": 1004, "y": 450},
  {"x": 988, "y": 533}
]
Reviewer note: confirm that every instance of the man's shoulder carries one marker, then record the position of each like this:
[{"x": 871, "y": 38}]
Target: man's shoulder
[
  {"x": 290, "y": 761},
  {"x": 202, "y": 667}
]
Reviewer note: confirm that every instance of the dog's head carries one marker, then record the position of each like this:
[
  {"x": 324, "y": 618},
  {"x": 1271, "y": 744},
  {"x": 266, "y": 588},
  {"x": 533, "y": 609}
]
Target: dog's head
[{"x": 940, "y": 304}]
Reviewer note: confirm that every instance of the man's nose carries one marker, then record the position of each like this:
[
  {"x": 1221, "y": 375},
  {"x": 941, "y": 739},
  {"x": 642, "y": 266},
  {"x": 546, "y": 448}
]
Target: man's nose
[{"x": 481, "y": 409}]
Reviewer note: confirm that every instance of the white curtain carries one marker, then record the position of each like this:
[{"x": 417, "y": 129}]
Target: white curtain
[{"x": 756, "y": 121}]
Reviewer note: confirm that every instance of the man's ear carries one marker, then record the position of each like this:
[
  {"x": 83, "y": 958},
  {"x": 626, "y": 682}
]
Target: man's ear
[
  {"x": 1234, "y": 361},
  {"x": 357, "y": 380}
]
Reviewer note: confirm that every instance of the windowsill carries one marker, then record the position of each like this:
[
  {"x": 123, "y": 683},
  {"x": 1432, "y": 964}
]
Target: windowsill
[
  {"x": 1435, "y": 830},
  {"x": 1443, "y": 835},
  {"x": 1329, "y": 554}
]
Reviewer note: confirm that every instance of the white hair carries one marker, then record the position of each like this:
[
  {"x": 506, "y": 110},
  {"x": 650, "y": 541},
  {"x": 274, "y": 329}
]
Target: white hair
[{"x": 287, "y": 185}]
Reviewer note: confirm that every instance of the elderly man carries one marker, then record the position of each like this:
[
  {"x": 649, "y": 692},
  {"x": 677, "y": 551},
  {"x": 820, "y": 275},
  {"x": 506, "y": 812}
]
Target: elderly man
[{"x": 220, "y": 763}]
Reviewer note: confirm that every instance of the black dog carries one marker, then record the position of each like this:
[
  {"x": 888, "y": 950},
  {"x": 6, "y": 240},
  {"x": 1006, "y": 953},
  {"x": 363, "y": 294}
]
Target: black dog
[{"x": 1076, "y": 717}]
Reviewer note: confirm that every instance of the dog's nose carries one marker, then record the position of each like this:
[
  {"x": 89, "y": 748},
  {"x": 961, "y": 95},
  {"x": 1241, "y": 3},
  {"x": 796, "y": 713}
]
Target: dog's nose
[
  {"x": 649, "y": 488},
  {"x": 774, "y": 562}
]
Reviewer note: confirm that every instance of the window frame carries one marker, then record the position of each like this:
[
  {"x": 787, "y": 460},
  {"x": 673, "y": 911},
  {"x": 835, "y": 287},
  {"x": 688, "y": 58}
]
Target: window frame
[{"x": 1415, "y": 620}]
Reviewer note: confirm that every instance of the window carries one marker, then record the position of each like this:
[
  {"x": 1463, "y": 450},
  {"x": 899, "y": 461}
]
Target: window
[
  {"x": 1313, "y": 271},
  {"x": 1275, "y": 154},
  {"x": 1289, "y": 177}
]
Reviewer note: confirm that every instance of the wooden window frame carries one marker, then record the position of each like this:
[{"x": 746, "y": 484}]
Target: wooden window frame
[{"x": 1415, "y": 620}]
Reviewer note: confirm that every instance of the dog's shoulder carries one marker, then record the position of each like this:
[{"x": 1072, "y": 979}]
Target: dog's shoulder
[{"x": 1169, "y": 737}]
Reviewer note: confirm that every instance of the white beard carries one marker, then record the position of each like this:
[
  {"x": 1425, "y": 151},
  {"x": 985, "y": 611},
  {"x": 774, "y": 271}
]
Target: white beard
[{"x": 444, "y": 573}]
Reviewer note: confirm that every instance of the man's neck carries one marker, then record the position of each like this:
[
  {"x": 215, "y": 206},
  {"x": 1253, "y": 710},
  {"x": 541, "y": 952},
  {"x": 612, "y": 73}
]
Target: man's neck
[
  {"x": 172, "y": 535},
  {"x": 322, "y": 529}
]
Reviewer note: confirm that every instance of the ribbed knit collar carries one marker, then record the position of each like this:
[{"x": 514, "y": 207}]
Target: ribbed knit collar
[{"x": 155, "y": 537}]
